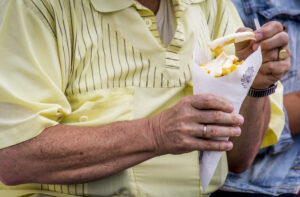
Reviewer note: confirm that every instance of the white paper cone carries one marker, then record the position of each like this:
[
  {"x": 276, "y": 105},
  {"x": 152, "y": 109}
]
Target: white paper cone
[{"x": 233, "y": 87}]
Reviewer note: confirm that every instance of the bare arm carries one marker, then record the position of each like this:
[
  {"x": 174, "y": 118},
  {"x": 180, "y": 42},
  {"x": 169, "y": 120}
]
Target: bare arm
[
  {"x": 292, "y": 105},
  {"x": 256, "y": 112},
  {"x": 66, "y": 154}
]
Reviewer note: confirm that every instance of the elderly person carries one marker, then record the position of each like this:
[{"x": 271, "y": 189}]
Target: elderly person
[{"x": 96, "y": 100}]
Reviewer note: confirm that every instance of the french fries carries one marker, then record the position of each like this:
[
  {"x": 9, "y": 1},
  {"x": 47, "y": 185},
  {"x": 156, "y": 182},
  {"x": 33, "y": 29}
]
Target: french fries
[{"x": 225, "y": 64}]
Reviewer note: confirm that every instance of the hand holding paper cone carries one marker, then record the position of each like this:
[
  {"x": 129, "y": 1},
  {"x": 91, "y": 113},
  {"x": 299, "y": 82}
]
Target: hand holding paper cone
[
  {"x": 233, "y": 88},
  {"x": 193, "y": 123}
]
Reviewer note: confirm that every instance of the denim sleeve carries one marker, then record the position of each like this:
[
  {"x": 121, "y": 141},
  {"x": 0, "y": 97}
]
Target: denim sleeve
[
  {"x": 239, "y": 6},
  {"x": 245, "y": 9}
]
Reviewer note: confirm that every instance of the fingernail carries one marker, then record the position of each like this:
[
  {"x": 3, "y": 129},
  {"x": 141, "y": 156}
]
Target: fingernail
[
  {"x": 231, "y": 107},
  {"x": 259, "y": 36},
  {"x": 238, "y": 131},
  {"x": 229, "y": 145},
  {"x": 240, "y": 119}
]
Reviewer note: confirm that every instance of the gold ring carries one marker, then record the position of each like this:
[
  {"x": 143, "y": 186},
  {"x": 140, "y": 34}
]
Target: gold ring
[
  {"x": 282, "y": 54},
  {"x": 204, "y": 130}
]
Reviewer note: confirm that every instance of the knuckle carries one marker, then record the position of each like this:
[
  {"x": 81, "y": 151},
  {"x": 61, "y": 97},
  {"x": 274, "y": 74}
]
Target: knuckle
[
  {"x": 212, "y": 132},
  {"x": 184, "y": 103},
  {"x": 184, "y": 143},
  {"x": 277, "y": 25},
  {"x": 186, "y": 100},
  {"x": 180, "y": 126},
  {"x": 207, "y": 102},
  {"x": 184, "y": 112},
  {"x": 207, "y": 99},
  {"x": 220, "y": 147},
  {"x": 269, "y": 66},
  {"x": 218, "y": 116},
  {"x": 177, "y": 140},
  {"x": 244, "y": 29},
  {"x": 264, "y": 45},
  {"x": 211, "y": 97},
  {"x": 200, "y": 116},
  {"x": 287, "y": 67},
  {"x": 273, "y": 55},
  {"x": 284, "y": 37},
  {"x": 206, "y": 145}
]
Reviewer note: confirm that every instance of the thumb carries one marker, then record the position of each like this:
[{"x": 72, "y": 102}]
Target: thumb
[{"x": 245, "y": 44}]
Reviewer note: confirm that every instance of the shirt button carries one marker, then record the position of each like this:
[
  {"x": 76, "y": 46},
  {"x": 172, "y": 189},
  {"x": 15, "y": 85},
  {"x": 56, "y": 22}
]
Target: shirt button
[
  {"x": 83, "y": 118},
  {"x": 148, "y": 22}
]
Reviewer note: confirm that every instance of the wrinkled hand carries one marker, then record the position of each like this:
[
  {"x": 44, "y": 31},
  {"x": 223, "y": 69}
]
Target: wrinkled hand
[
  {"x": 271, "y": 38},
  {"x": 180, "y": 129}
]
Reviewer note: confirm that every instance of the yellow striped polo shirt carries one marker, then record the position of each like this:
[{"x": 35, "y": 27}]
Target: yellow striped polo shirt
[{"x": 94, "y": 62}]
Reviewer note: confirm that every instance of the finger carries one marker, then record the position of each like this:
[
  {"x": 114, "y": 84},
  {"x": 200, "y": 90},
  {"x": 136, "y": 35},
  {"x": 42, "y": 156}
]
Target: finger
[
  {"x": 277, "y": 41},
  {"x": 210, "y": 145},
  {"x": 213, "y": 131},
  {"x": 268, "y": 30},
  {"x": 209, "y": 101},
  {"x": 218, "y": 117},
  {"x": 273, "y": 54},
  {"x": 244, "y": 29},
  {"x": 276, "y": 67},
  {"x": 246, "y": 43},
  {"x": 270, "y": 55}
]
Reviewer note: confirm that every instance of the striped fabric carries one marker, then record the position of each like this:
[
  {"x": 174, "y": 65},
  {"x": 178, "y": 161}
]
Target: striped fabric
[
  {"x": 85, "y": 63},
  {"x": 95, "y": 55}
]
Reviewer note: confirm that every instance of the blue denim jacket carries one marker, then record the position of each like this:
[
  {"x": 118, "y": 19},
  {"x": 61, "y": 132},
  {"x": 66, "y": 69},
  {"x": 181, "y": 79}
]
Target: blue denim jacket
[{"x": 276, "y": 169}]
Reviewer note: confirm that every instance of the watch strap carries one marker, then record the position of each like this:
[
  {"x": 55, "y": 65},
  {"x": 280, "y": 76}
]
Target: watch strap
[{"x": 262, "y": 92}]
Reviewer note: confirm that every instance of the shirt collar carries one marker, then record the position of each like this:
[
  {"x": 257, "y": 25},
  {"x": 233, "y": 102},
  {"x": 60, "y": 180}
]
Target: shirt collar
[
  {"x": 117, "y": 5},
  {"x": 191, "y": 1},
  {"x": 111, "y": 5}
]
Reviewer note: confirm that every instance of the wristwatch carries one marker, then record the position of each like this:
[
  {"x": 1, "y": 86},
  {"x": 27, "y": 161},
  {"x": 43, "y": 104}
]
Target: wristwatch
[{"x": 264, "y": 92}]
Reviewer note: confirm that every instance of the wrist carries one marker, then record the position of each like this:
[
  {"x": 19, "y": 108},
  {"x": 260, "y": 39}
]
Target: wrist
[
  {"x": 153, "y": 128},
  {"x": 253, "y": 92},
  {"x": 260, "y": 86}
]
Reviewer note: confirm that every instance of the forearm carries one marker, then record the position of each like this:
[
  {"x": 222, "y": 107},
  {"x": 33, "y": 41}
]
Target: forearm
[
  {"x": 292, "y": 106},
  {"x": 67, "y": 154},
  {"x": 256, "y": 112}
]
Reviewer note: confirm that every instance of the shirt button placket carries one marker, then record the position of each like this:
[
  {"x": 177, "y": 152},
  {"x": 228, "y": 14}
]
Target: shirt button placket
[{"x": 148, "y": 22}]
